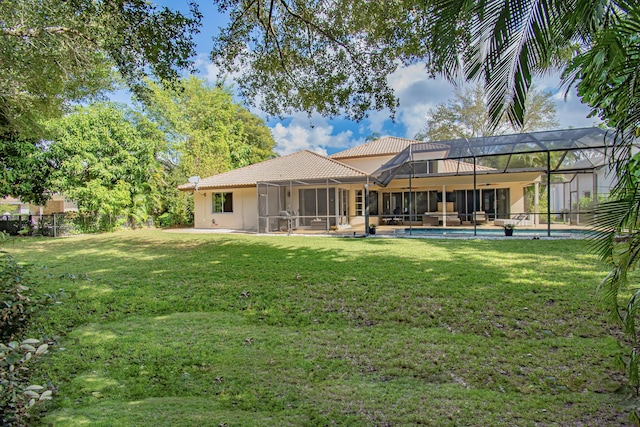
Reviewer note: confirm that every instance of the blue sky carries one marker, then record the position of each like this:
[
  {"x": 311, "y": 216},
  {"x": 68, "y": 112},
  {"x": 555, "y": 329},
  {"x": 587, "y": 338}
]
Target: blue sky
[{"x": 416, "y": 91}]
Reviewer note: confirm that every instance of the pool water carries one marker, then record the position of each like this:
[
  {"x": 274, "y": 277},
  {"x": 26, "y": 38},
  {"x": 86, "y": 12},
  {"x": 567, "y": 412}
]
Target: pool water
[{"x": 493, "y": 232}]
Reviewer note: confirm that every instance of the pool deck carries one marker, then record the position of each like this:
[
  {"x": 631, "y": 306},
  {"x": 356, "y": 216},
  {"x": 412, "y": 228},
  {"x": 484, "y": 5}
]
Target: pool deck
[
  {"x": 460, "y": 231},
  {"x": 457, "y": 231}
]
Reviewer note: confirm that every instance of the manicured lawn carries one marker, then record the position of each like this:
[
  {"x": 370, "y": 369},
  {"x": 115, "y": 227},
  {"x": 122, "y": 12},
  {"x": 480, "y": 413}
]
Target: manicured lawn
[{"x": 161, "y": 329}]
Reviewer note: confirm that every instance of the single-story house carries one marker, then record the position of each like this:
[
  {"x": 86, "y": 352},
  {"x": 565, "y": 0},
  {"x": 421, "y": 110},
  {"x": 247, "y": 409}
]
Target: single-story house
[
  {"x": 390, "y": 180},
  {"x": 56, "y": 204},
  {"x": 16, "y": 215}
]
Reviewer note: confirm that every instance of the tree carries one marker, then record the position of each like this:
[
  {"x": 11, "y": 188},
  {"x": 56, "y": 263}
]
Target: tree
[
  {"x": 466, "y": 116},
  {"x": 258, "y": 139},
  {"x": 206, "y": 133},
  {"x": 55, "y": 52},
  {"x": 205, "y": 129},
  {"x": 104, "y": 159},
  {"x": 334, "y": 56},
  {"x": 25, "y": 170}
]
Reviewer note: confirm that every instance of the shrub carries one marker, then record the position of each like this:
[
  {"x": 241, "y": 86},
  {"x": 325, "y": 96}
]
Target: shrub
[
  {"x": 17, "y": 305},
  {"x": 19, "y": 302},
  {"x": 169, "y": 219},
  {"x": 165, "y": 220},
  {"x": 16, "y": 394}
]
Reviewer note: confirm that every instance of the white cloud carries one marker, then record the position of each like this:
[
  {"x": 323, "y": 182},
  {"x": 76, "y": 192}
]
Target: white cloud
[
  {"x": 418, "y": 93},
  {"x": 315, "y": 134},
  {"x": 571, "y": 112}
]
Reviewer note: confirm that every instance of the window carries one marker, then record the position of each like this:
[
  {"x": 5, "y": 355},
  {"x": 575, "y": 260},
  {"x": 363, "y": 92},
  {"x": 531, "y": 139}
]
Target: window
[
  {"x": 359, "y": 203},
  {"x": 221, "y": 202},
  {"x": 373, "y": 203},
  {"x": 432, "y": 167}
]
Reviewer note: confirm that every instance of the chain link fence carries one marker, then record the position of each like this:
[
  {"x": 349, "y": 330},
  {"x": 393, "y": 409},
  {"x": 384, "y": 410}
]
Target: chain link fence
[{"x": 54, "y": 225}]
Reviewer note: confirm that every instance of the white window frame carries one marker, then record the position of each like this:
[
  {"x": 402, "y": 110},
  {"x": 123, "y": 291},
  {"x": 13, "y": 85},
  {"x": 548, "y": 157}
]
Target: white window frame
[{"x": 222, "y": 195}]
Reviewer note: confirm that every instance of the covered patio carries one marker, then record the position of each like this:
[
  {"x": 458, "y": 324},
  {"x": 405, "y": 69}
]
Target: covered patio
[
  {"x": 315, "y": 204},
  {"x": 538, "y": 159}
]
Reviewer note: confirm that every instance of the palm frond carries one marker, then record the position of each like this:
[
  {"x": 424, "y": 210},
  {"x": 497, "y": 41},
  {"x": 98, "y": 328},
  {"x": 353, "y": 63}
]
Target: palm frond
[
  {"x": 510, "y": 42},
  {"x": 630, "y": 316},
  {"x": 608, "y": 290}
]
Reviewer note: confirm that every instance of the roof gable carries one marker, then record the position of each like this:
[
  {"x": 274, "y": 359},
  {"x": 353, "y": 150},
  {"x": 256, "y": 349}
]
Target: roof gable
[
  {"x": 302, "y": 165},
  {"x": 386, "y": 146}
]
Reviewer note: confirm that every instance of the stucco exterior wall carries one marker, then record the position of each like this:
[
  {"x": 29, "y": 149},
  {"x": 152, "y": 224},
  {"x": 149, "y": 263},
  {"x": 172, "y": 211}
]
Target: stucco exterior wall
[
  {"x": 367, "y": 164},
  {"x": 243, "y": 217},
  {"x": 245, "y": 200}
]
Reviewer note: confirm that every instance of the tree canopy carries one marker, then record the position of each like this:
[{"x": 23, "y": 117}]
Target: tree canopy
[
  {"x": 466, "y": 116},
  {"x": 334, "y": 56},
  {"x": 206, "y": 131},
  {"x": 104, "y": 158},
  {"x": 56, "y": 51}
]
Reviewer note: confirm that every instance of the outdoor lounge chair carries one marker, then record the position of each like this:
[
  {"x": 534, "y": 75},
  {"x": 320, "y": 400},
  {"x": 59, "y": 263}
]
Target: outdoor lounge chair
[{"x": 520, "y": 219}]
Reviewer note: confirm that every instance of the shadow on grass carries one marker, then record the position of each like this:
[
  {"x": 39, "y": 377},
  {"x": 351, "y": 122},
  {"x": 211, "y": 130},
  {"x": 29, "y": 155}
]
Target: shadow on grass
[
  {"x": 362, "y": 331},
  {"x": 297, "y": 281}
]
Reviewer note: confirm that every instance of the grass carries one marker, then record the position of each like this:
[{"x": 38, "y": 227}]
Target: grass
[{"x": 218, "y": 330}]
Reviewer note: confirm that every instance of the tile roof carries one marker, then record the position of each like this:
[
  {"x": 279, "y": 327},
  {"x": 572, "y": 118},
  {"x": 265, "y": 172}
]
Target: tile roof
[
  {"x": 303, "y": 165},
  {"x": 389, "y": 145},
  {"x": 454, "y": 166}
]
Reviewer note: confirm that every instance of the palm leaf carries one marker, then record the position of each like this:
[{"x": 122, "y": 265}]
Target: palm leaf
[{"x": 510, "y": 42}]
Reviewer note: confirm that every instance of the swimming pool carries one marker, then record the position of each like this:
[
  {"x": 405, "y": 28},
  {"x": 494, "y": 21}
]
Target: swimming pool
[{"x": 453, "y": 232}]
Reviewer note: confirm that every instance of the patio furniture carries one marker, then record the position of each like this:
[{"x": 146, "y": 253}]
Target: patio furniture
[
  {"x": 438, "y": 218},
  {"x": 430, "y": 220},
  {"x": 452, "y": 219},
  {"x": 480, "y": 216},
  {"x": 392, "y": 220},
  {"x": 520, "y": 219},
  {"x": 288, "y": 221}
]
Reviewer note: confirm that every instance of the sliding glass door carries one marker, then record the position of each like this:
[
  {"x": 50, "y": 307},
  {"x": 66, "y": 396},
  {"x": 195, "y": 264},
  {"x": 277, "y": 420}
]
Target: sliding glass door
[{"x": 321, "y": 203}]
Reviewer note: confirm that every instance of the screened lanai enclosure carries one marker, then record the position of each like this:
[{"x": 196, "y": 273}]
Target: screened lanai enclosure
[
  {"x": 533, "y": 179},
  {"x": 314, "y": 204},
  {"x": 572, "y": 169}
]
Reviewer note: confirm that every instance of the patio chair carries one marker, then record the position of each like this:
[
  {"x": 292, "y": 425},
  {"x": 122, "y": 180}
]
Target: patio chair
[{"x": 480, "y": 216}]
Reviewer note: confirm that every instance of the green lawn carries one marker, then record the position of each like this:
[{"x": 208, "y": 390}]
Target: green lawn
[{"x": 162, "y": 329}]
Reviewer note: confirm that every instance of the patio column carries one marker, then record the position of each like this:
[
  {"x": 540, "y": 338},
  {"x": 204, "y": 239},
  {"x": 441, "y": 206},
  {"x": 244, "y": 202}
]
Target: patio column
[
  {"x": 410, "y": 199},
  {"x": 577, "y": 199},
  {"x": 257, "y": 210},
  {"x": 594, "y": 194},
  {"x": 366, "y": 208},
  {"x": 536, "y": 203},
  {"x": 328, "y": 226},
  {"x": 444, "y": 206},
  {"x": 564, "y": 202},
  {"x": 291, "y": 197},
  {"x": 475, "y": 186},
  {"x": 548, "y": 194}
]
